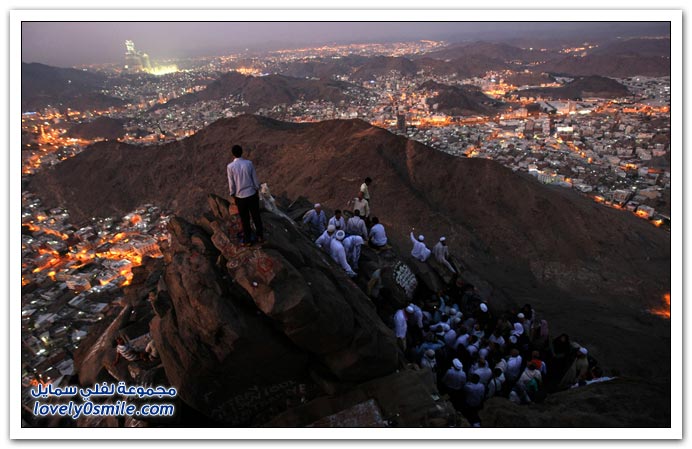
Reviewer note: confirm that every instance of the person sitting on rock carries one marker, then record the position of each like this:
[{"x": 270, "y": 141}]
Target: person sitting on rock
[
  {"x": 338, "y": 252},
  {"x": 441, "y": 253},
  {"x": 316, "y": 219},
  {"x": 352, "y": 245},
  {"x": 419, "y": 251},
  {"x": 356, "y": 225},
  {"x": 126, "y": 351},
  {"x": 324, "y": 241},
  {"x": 378, "y": 238},
  {"x": 338, "y": 221}
]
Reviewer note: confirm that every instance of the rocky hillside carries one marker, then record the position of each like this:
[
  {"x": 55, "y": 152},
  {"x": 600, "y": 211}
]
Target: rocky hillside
[
  {"x": 465, "y": 99},
  {"x": 44, "y": 85},
  {"x": 251, "y": 335},
  {"x": 264, "y": 91},
  {"x": 101, "y": 127},
  {"x": 595, "y": 271},
  {"x": 582, "y": 87}
]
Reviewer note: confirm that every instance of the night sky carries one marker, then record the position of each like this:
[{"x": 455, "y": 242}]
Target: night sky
[{"x": 72, "y": 43}]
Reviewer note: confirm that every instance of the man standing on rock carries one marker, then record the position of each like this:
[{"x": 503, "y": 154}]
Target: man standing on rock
[
  {"x": 366, "y": 190},
  {"x": 244, "y": 188},
  {"x": 361, "y": 204}
]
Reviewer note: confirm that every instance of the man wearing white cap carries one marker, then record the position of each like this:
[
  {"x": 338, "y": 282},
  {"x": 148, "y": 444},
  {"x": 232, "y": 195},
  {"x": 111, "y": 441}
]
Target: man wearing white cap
[
  {"x": 419, "y": 251},
  {"x": 325, "y": 240},
  {"x": 316, "y": 219},
  {"x": 352, "y": 245},
  {"x": 401, "y": 318},
  {"x": 338, "y": 252},
  {"x": 441, "y": 252},
  {"x": 582, "y": 364},
  {"x": 455, "y": 379}
]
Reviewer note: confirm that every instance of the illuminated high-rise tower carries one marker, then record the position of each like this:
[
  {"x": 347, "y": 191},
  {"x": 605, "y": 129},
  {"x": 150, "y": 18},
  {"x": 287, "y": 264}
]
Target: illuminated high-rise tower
[{"x": 135, "y": 60}]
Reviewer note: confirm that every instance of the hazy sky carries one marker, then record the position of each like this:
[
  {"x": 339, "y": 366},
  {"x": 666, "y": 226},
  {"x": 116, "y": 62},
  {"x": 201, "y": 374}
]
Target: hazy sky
[{"x": 71, "y": 43}]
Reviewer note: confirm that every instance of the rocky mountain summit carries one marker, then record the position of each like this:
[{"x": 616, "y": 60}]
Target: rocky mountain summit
[{"x": 248, "y": 334}]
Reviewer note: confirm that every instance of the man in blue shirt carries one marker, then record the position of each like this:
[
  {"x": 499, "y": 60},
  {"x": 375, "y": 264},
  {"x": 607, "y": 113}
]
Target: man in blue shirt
[
  {"x": 244, "y": 188},
  {"x": 378, "y": 238},
  {"x": 316, "y": 219}
]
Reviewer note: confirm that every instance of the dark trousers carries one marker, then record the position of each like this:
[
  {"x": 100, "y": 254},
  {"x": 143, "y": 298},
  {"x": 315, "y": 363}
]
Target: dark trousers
[{"x": 246, "y": 207}]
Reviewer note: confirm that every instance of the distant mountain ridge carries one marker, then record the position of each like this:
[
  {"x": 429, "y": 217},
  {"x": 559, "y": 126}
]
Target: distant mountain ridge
[
  {"x": 264, "y": 91},
  {"x": 44, "y": 85},
  {"x": 582, "y": 87},
  {"x": 104, "y": 127},
  {"x": 459, "y": 100}
]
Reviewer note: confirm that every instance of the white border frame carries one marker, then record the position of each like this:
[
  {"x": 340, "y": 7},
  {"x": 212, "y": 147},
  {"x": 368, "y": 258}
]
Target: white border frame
[{"x": 344, "y": 15}]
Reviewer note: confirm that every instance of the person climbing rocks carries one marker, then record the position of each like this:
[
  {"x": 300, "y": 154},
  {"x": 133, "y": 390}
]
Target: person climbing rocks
[
  {"x": 419, "y": 251},
  {"x": 338, "y": 253},
  {"x": 316, "y": 219},
  {"x": 441, "y": 253},
  {"x": 324, "y": 241},
  {"x": 352, "y": 245}
]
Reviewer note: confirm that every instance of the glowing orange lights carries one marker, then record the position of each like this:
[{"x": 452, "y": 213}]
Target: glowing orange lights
[{"x": 664, "y": 309}]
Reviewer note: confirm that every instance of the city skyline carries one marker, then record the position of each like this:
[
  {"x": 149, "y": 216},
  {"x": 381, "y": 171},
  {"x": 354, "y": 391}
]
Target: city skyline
[{"x": 62, "y": 43}]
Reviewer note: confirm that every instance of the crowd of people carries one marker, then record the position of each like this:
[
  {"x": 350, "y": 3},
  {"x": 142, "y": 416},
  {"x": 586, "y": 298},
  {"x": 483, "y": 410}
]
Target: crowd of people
[
  {"x": 475, "y": 355},
  {"x": 342, "y": 239}
]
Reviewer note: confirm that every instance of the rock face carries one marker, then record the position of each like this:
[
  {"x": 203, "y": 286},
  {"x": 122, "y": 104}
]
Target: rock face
[
  {"x": 245, "y": 327},
  {"x": 103, "y": 127},
  {"x": 594, "y": 271},
  {"x": 608, "y": 404}
]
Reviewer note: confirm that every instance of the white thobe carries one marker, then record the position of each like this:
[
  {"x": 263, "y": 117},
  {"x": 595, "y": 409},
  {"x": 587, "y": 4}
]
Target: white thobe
[{"x": 419, "y": 251}]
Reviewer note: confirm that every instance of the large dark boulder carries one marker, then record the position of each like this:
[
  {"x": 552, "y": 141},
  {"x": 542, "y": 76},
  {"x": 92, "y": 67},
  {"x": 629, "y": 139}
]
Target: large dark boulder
[{"x": 238, "y": 329}]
